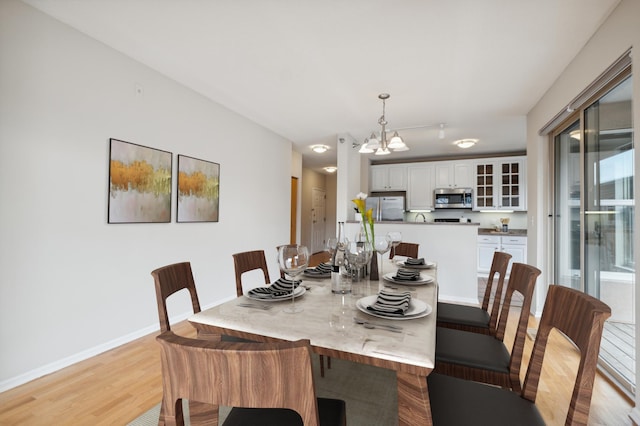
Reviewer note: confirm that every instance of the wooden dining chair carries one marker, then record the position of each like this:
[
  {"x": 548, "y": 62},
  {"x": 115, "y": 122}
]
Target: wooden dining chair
[
  {"x": 580, "y": 318},
  {"x": 405, "y": 249},
  {"x": 169, "y": 280},
  {"x": 485, "y": 358},
  {"x": 265, "y": 383},
  {"x": 249, "y": 261},
  {"x": 473, "y": 318}
]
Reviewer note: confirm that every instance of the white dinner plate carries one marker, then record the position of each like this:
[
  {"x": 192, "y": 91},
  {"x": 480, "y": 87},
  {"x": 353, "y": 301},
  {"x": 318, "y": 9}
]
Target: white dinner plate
[
  {"x": 427, "y": 265},
  {"x": 299, "y": 291},
  {"x": 422, "y": 280},
  {"x": 417, "y": 309}
]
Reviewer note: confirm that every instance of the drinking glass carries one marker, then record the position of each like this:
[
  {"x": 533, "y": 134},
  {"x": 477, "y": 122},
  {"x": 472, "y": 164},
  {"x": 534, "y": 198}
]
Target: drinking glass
[
  {"x": 382, "y": 244},
  {"x": 359, "y": 254},
  {"x": 293, "y": 260}
]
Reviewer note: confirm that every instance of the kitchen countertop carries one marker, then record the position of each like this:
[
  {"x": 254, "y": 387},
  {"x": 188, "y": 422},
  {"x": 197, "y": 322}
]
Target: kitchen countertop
[
  {"x": 512, "y": 232},
  {"x": 398, "y": 222}
]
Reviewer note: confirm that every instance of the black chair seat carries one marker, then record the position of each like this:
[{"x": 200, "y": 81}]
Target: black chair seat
[
  {"x": 471, "y": 350},
  {"x": 461, "y": 402},
  {"x": 332, "y": 413},
  {"x": 461, "y": 314}
]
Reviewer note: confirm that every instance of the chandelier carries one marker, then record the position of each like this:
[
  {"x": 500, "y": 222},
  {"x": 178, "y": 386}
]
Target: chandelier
[{"x": 381, "y": 146}]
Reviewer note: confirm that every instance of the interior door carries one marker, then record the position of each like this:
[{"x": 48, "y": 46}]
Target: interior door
[{"x": 318, "y": 219}]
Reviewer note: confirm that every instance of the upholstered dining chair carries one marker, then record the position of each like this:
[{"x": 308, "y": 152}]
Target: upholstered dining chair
[
  {"x": 405, "y": 249},
  {"x": 249, "y": 261},
  {"x": 265, "y": 383},
  {"x": 474, "y": 318},
  {"x": 580, "y": 318},
  {"x": 485, "y": 358}
]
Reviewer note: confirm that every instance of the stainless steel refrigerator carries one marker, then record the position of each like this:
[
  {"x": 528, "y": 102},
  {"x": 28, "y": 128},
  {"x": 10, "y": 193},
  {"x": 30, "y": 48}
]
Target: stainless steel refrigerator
[{"x": 385, "y": 207}]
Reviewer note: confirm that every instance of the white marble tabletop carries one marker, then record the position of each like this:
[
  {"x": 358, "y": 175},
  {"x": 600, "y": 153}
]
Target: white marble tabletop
[{"x": 327, "y": 320}]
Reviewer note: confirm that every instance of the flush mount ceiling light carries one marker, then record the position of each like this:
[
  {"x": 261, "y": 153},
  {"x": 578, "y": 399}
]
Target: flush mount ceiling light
[
  {"x": 465, "y": 143},
  {"x": 330, "y": 169},
  {"x": 319, "y": 148}
]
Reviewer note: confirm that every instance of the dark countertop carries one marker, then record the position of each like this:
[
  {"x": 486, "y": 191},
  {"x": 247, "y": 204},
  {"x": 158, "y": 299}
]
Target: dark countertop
[{"x": 512, "y": 232}]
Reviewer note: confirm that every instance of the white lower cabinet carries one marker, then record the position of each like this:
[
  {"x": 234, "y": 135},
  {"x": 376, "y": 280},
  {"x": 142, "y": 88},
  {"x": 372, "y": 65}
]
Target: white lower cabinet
[{"x": 516, "y": 246}]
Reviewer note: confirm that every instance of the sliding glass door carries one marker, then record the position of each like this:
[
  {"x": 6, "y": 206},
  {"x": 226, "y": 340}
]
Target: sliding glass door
[{"x": 593, "y": 221}]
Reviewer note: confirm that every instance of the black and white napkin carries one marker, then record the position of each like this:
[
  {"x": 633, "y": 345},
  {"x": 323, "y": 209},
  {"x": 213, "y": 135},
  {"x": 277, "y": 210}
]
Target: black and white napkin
[
  {"x": 406, "y": 275},
  {"x": 412, "y": 261},
  {"x": 281, "y": 287},
  {"x": 321, "y": 269},
  {"x": 391, "y": 302}
]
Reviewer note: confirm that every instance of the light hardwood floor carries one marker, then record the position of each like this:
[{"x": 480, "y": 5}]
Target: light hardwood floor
[{"x": 115, "y": 387}]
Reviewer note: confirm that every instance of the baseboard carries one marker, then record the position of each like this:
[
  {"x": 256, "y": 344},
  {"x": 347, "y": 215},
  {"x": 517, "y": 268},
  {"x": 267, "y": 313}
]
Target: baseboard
[
  {"x": 88, "y": 353},
  {"x": 634, "y": 415}
]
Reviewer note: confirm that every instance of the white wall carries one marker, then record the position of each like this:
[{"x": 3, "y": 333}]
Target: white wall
[
  {"x": 72, "y": 285},
  {"x": 617, "y": 34}
]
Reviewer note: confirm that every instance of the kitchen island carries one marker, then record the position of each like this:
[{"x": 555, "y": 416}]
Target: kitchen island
[{"x": 453, "y": 246}]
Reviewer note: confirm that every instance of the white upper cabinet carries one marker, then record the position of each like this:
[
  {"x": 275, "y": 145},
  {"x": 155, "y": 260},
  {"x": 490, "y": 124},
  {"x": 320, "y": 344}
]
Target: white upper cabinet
[
  {"x": 500, "y": 184},
  {"x": 420, "y": 186},
  {"x": 454, "y": 174},
  {"x": 389, "y": 177}
]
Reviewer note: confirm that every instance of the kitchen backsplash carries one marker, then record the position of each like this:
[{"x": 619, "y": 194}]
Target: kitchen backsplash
[{"x": 517, "y": 220}]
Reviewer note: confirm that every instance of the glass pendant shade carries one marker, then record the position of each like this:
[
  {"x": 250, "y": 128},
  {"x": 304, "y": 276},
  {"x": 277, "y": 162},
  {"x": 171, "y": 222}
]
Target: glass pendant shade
[
  {"x": 396, "y": 141},
  {"x": 373, "y": 143}
]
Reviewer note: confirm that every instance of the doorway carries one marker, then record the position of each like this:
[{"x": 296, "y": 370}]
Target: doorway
[{"x": 318, "y": 219}]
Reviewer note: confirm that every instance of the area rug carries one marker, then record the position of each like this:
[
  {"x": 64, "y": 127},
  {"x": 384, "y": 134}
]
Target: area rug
[{"x": 369, "y": 392}]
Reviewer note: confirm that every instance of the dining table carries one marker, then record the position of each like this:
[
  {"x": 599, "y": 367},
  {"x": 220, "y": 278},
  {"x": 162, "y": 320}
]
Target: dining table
[{"x": 340, "y": 326}]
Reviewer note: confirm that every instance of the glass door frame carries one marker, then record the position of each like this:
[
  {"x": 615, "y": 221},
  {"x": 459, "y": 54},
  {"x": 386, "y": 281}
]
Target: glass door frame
[{"x": 579, "y": 115}]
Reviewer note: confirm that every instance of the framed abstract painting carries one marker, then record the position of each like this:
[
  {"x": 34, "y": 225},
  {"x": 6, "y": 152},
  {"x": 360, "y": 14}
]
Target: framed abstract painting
[
  {"x": 198, "y": 190},
  {"x": 139, "y": 183}
]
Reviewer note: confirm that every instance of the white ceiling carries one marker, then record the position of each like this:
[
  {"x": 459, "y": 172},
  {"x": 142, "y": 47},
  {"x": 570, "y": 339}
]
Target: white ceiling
[{"x": 309, "y": 70}]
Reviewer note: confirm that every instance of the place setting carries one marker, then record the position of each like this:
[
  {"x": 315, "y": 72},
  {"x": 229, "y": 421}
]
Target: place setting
[
  {"x": 281, "y": 289},
  {"x": 392, "y": 305},
  {"x": 415, "y": 263},
  {"x": 321, "y": 271},
  {"x": 408, "y": 277}
]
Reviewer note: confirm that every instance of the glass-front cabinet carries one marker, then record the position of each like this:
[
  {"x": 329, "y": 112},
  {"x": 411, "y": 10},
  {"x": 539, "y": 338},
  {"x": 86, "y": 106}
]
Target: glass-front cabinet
[{"x": 500, "y": 184}]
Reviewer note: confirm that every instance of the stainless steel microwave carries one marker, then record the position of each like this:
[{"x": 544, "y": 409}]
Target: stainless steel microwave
[{"x": 453, "y": 198}]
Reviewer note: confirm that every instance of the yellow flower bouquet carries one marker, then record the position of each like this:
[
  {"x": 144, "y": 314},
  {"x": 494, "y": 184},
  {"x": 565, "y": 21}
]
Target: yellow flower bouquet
[{"x": 367, "y": 216}]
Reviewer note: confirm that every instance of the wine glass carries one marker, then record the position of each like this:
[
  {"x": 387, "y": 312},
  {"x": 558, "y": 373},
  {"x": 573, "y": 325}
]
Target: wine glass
[
  {"x": 395, "y": 237},
  {"x": 293, "y": 260},
  {"x": 359, "y": 254},
  {"x": 382, "y": 244}
]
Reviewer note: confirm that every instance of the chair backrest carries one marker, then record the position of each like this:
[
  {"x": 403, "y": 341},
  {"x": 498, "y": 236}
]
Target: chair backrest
[
  {"x": 580, "y": 318},
  {"x": 252, "y": 375},
  {"x": 405, "y": 249},
  {"x": 522, "y": 280},
  {"x": 499, "y": 266},
  {"x": 168, "y": 280},
  {"x": 249, "y": 261}
]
